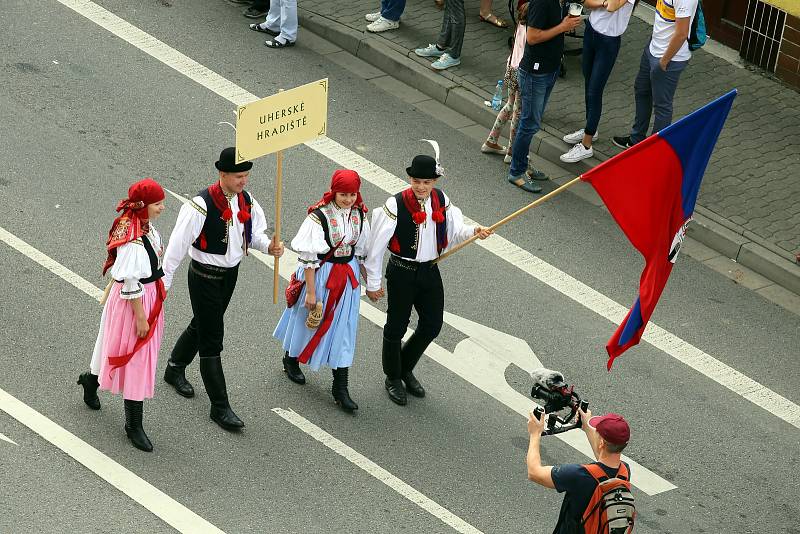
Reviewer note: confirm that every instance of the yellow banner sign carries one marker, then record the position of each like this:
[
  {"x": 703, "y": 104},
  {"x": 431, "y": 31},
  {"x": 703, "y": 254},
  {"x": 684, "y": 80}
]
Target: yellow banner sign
[{"x": 280, "y": 121}]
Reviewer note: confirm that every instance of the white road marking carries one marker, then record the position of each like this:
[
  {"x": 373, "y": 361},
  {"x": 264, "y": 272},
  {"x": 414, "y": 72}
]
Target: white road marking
[
  {"x": 159, "y": 503},
  {"x": 7, "y": 439},
  {"x": 356, "y": 458},
  {"x": 671, "y": 344},
  {"x": 50, "y": 264},
  {"x": 482, "y": 359}
]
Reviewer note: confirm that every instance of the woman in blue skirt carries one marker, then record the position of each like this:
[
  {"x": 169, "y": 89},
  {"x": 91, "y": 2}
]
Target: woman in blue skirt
[{"x": 331, "y": 245}]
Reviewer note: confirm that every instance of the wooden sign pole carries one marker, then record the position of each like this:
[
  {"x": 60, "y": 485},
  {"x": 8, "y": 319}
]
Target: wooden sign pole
[{"x": 277, "y": 238}]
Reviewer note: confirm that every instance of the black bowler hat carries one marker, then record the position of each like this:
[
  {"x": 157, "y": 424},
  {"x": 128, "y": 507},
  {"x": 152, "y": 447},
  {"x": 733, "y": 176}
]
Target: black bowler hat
[
  {"x": 227, "y": 162},
  {"x": 423, "y": 168}
]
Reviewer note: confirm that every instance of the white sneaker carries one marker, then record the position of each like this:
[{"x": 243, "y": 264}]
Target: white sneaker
[
  {"x": 382, "y": 24},
  {"x": 372, "y": 17},
  {"x": 507, "y": 159},
  {"x": 577, "y": 153},
  {"x": 577, "y": 137}
]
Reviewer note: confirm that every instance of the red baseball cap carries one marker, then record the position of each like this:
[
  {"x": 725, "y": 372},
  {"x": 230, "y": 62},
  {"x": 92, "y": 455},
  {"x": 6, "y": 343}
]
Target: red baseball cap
[{"x": 612, "y": 427}]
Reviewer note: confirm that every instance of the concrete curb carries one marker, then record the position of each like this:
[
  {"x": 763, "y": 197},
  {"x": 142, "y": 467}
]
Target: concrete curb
[{"x": 711, "y": 229}]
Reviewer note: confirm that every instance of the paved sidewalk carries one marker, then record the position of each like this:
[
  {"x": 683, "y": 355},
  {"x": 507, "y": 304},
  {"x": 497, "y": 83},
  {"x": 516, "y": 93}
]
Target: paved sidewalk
[{"x": 750, "y": 199}]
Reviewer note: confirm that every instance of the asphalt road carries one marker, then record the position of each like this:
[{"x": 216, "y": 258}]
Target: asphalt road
[{"x": 84, "y": 114}]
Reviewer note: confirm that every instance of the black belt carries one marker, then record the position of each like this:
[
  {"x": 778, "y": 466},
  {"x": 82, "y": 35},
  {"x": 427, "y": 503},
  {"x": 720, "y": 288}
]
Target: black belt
[
  {"x": 212, "y": 272},
  {"x": 409, "y": 265}
]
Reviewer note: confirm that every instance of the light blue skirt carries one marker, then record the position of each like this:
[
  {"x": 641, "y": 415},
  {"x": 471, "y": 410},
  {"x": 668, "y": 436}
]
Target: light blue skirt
[{"x": 337, "y": 346}]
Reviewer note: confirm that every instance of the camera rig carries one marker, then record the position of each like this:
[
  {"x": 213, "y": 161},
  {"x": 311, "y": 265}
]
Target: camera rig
[{"x": 561, "y": 401}]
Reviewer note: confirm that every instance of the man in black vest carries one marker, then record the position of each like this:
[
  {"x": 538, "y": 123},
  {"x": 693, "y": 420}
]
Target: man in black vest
[
  {"x": 216, "y": 228},
  {"x": 416, "y": 225}
]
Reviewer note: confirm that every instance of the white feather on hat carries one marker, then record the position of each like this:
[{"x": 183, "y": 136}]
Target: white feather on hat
[{"x": 435, "y": 145}]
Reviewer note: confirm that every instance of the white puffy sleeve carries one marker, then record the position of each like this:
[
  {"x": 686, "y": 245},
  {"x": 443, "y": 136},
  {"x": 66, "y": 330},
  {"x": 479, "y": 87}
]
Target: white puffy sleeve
[
  {"x": 363, "y": 241},
  {"x": 190, "y": 223},
  {"x": 384, "y": 221},
  {"x": 457, "y": 231},
  {"x": 259, "y": 240},
  {"x": 310, "y": 242},
  {"x": 132, "y": 264}
]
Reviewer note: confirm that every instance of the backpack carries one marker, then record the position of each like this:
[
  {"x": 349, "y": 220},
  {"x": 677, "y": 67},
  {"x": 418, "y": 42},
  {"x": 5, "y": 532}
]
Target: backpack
[
  {"x": 697, "y": 34},
  {"x": 611, "y": 509}
]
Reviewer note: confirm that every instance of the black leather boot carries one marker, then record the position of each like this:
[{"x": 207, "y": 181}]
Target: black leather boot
[
  {"x": 182, "y": 355},
  {"x": 292, "y": 369},
  {"x": 133, "y": 425},
  {"x": 175, "y": 376},
  {"x": 410, "y": 354},
  {"x": 339, "y": 390},
  {"x": 214, "y": 380},
  {"x": 393, "y": 369},
  {"x": 90, "y": 385}
]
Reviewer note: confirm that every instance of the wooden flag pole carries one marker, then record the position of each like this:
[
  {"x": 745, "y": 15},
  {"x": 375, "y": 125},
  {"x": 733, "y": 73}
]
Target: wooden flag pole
[
  {"x": 277, "y": 238},
  {"x": 511, "y": 217}
]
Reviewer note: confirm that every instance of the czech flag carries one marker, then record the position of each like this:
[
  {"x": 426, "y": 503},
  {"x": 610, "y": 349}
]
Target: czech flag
[{"x": 650, "y": 189}]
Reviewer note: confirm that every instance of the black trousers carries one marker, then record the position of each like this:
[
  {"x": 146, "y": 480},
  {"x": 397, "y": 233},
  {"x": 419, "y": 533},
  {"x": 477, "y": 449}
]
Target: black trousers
[
  {"x": 413, "y": 285},
  {"x": 210, "y": 291}
]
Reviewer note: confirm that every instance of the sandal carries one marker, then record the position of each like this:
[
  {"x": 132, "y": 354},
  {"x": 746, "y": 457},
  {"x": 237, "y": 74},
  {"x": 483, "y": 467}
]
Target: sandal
[
  {"x": 492, "y": 19},
  {"x": 439, "y": 4},
  {"x": 274, "y": 43},
  {"x": 259, "y": 28}
]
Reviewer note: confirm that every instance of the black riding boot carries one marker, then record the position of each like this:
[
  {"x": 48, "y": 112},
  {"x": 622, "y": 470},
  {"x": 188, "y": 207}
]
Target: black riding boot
[
  {"x": 214, "y": 380},
  {"x": 392, "y": 367},
  {"x": 182, "y": 355},
  {"x": 90, "y": 385},
  {"x": 133, "y": 425},
  {"x": 292, "y": 369},
  {"x": 339, "y": 390},
  {"x": 410, "y": 354}
]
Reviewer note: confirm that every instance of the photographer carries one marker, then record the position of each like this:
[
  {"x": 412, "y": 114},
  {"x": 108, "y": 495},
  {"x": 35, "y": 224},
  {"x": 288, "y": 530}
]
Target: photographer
[{"x": 608, "y": 435}]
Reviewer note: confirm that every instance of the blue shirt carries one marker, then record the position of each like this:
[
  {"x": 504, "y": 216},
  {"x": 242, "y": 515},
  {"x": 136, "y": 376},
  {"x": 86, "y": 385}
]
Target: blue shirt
[{"x": 579, "y": 486}]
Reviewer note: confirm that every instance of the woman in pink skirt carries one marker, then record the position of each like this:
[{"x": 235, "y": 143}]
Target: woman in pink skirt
[{"x": 126, "y": 352}]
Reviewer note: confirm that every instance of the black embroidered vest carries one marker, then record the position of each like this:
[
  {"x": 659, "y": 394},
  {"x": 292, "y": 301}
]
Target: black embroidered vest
[
  {"x": 405, "y": 240},
  {"x": 213, "y": 238},
  {"x": 155, "y": 270},
  {"x": 334, "y": 258}
]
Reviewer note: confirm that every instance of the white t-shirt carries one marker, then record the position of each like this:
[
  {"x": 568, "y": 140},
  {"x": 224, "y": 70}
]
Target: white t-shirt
[
  {"x": 664, "y": 26},
  {"x": 611, "y": 24}
]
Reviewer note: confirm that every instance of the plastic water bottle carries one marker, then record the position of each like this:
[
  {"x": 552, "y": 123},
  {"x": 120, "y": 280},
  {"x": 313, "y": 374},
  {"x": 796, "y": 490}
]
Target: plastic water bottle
[{"x": 497, "y": 99}]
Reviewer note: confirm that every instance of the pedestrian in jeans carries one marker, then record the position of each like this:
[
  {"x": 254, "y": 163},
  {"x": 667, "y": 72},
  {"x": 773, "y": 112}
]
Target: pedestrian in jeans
[
  {"x": 608, "y": 20},
  {"x": 513, "y": 104},
  {"x": 281, "y": 24},
  {"x": 663, "y": 61},
  {"x": 388, "y": 18},
  {"x": 451, "y": 38},
  {"x": 537, "y": 74}
]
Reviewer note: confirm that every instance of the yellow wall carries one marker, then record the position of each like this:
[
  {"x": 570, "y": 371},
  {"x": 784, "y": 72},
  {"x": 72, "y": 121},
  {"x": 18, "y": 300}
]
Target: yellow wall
[{"x": 790, "y": 6}]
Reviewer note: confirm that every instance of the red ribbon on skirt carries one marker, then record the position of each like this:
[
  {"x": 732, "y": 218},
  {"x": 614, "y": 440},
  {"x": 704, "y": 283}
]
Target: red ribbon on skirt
[
  {"x": 121, "y": 361},
  {"x": 340, "y": 274}
]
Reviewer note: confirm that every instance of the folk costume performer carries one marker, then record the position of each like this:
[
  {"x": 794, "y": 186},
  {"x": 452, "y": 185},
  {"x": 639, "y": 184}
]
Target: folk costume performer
[
  {"x": 416, "y": 225},
  {"x": 125, "y": 355},
  {"x": 331, "y": 246},
  {"x": 216, "y": 228}
]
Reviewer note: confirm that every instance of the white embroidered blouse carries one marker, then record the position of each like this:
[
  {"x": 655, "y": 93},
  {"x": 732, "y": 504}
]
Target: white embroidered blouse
[
  {"x": 310, "y": 239},
  {"x": 133, "y": 264}
]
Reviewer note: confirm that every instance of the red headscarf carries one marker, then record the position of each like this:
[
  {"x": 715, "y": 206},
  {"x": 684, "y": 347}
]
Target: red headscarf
[
  {"x": 342, "y": 181},
  {"x": 132, "y": 223}
]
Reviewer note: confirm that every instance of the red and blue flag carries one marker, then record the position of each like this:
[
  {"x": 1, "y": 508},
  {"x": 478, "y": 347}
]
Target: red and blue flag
[{"x": 650, "y": 190}]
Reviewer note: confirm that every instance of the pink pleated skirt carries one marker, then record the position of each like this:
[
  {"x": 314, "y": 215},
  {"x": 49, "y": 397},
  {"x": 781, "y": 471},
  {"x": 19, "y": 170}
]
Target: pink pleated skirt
[{"x": 136, "y": 380}]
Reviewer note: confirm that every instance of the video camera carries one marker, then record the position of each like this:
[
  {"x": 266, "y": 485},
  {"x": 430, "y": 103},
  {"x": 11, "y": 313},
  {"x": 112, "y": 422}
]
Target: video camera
[{"x": 561, "y": 401}]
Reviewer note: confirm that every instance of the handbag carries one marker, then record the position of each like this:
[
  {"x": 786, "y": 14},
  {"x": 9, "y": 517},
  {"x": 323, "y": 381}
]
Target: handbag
[{"x": 295, "y": 286}]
